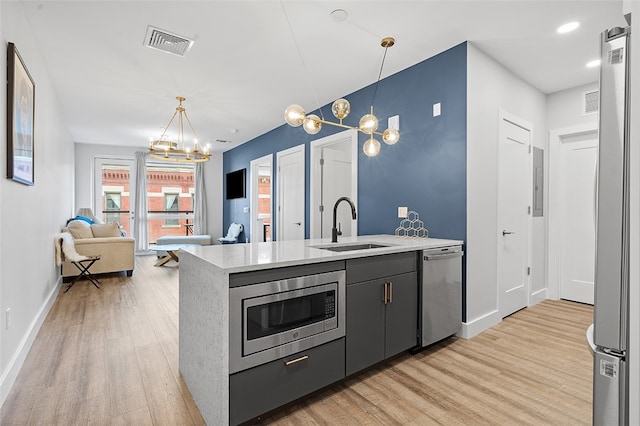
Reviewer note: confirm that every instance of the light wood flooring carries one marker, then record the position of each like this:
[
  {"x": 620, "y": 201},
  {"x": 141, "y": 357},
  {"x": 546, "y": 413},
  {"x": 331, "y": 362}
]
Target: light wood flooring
[{"x": 110, "y": 356}]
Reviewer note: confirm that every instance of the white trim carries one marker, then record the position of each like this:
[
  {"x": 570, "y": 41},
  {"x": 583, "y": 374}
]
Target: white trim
[
  {"x": 554, "y": 253},
  {"x": 478, "y": 325},
  {"x": 316, "y": 145},
  {"x": 10, "y": 374},
  {"x": 171, "y": 190},
  {"x": 538, "y": 296}
]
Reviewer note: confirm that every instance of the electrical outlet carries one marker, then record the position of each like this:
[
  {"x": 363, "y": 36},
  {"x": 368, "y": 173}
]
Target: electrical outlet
[
  {"x": 436, "y": 109},
  {"x": 403, "y": 212},
  {"x": 7, "y": 318}
]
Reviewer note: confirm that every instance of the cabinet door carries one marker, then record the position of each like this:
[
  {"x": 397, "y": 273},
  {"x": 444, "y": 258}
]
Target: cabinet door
[
  {"x": 365, "y": 325},
  {"x": 257, "y": 390},
  {"x": 402, "y": 314}
]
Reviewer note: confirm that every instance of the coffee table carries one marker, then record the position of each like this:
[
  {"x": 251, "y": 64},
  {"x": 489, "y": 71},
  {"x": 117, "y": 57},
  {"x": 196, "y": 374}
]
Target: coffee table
[{"x": 172, "y": 251}]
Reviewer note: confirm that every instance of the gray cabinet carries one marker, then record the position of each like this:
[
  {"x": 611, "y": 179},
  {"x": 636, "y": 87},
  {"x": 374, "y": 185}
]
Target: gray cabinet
[
  {"x": 382, "y": 308},
  {"x": 260, "y": 389}
]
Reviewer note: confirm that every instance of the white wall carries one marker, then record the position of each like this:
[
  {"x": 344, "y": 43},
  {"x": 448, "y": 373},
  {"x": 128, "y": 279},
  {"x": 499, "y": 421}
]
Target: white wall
[
  {"x": 490, "y": 88},
  {"x": 565, "y": 108},
  {"x": 30, "y": 215},
  {"x": 85, "y": 154}
]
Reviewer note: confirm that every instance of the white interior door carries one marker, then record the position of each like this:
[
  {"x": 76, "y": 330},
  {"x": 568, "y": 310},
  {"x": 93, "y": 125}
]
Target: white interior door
[
  {"x": 261, "y": 190},
  {"x": 290, "y": 166},
  {"x": 334, "y": 174},
  {"x": 577, "y": 217},
  {"x": 336, "y": 184},
  {"x": 514, "y": 195}
]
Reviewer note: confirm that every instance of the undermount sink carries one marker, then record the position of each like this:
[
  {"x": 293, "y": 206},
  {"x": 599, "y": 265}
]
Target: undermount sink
[{"x": 350, "y": 247}]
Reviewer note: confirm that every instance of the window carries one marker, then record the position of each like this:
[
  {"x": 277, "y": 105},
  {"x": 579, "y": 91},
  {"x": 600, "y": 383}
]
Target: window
[
  {"x": 112, "y": 202},
  {"x": 170, "y": 192},
  {"x": 169, "y": 199},
  {"x": 171, "y": 205}
]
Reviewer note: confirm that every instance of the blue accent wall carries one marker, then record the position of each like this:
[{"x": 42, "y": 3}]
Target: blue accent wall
[{"x": 425, "y": 170}]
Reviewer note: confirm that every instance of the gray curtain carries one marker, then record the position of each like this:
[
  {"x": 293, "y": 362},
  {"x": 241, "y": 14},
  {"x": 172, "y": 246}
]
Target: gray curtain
[
  {"x": 200, "y": 203},
  {"x": 140, "y": 229}
]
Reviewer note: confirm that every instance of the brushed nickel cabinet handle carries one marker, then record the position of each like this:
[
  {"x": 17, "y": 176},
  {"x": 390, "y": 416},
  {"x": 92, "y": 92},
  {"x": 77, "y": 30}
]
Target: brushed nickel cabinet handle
[
  {"x": 386, "y": 294},
  {"x": 390, "y": 292},
  {"x": 293, "y": 361}
]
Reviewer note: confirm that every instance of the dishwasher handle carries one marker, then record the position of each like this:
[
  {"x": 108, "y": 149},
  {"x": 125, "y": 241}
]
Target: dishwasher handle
[{"x": 443, "y": 256}]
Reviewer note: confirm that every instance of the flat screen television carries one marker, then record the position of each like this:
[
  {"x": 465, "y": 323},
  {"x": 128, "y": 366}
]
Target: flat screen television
[{"x": 236, "y": 184}]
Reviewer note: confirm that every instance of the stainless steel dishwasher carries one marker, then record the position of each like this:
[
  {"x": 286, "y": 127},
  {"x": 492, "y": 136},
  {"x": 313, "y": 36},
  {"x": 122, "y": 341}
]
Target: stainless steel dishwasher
[{"x": 441, "y": 293}]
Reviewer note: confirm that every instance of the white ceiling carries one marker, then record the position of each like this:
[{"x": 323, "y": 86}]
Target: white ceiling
[{"x": 244, "y": 68}]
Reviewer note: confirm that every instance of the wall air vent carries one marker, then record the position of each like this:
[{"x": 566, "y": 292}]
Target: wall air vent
[
  {"x": 166, "y": 41},
  {"x": 591, "y": 102}
]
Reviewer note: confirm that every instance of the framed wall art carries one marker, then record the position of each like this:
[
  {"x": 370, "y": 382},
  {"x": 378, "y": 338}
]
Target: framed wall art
[{"x": 20, "y": 115}]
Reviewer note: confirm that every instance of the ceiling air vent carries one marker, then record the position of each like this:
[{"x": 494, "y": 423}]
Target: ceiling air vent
[
  {"x": 166, "y": 41},
  {"x": 591, "y": 101}
]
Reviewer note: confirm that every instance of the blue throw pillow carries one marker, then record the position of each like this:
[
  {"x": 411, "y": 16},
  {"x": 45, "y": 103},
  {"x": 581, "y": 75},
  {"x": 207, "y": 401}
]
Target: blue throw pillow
[{"x": 86, "y": 219}]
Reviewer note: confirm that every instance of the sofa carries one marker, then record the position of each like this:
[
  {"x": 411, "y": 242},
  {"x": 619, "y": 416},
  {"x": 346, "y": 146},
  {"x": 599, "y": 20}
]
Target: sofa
[{"x": 116, "y": 252}]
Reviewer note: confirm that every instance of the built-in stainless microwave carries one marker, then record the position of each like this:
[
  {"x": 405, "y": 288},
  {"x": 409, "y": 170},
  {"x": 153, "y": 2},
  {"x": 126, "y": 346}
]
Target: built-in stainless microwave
[{"x": 274, "y": 319}]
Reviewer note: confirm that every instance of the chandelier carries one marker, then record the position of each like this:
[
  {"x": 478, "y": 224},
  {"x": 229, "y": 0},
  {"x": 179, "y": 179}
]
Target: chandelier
[
  {"x": 166, "y": 149},
  {"x": 295, "y": 116}
]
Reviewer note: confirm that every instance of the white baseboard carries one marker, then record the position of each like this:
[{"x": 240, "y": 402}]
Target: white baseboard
[
  {"x": 9, "y": 376},
  {"x": 478, "y": 325},
  {"x": 538, "y": 297}
]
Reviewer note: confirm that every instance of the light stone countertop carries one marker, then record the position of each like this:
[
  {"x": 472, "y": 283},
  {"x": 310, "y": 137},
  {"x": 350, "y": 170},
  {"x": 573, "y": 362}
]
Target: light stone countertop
[
  {"x": 233, "y": 258},
  {"x": 204, "y": 309}
]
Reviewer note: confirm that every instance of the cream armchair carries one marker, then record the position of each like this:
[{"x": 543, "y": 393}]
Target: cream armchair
[{"x": 116, "y": 252}]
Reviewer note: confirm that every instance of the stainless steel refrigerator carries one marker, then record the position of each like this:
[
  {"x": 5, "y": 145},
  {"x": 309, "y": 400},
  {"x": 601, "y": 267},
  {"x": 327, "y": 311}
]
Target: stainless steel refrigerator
[{"x": 611, "y": 314}]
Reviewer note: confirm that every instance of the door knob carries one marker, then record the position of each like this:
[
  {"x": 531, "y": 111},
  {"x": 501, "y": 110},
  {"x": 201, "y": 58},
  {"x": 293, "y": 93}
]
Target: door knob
[
  {"x": 297, "y": 223},
  {"x": 507, "y": 232}
]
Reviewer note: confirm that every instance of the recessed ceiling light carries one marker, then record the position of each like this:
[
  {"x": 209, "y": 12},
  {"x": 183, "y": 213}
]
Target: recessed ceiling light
[
  {"x": 339, "y": 15},
  {"x": 594, "y": 63},
  {"x": 568, "y": 27}
]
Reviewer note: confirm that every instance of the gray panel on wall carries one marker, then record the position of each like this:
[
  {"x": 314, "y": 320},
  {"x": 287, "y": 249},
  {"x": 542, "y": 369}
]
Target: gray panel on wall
[{"x": 538, "y": 181}]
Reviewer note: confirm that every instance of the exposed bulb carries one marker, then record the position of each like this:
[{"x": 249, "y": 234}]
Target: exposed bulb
[
  {"x": 371, "y": 147},
  {"x": 368, "y": 124},
  {"x": 390, "y": 136},
  {"x": 341, "y": 108},
  {"x": 294, "y": 115},
  {"x": 312, "y": 124}
]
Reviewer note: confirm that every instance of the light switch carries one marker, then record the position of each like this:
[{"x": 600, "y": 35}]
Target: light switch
[
  {"x": 394, "y": 122},
  {"x": 436, "y": 109},
  {"x": 402, "y": 212}
]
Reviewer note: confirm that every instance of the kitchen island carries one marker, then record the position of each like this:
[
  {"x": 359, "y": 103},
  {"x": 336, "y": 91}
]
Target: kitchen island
[{"x": 208, "y": 351}]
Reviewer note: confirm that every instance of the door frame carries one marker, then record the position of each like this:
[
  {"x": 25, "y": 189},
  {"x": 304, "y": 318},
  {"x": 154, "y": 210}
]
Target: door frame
[
  {"x": 96, "y": 187},
  {"x": 316, "y": 147},
  {"x": 279, "y": 225},
  {"x": 254, "y": 165},
  {"x": 506, "y": 116},
  {"x": 554, "y": 249}
]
